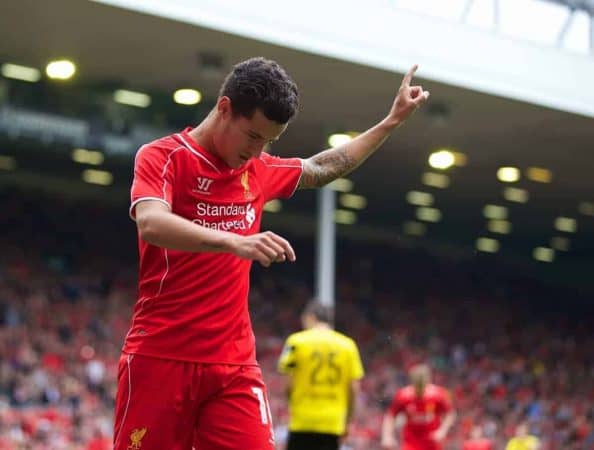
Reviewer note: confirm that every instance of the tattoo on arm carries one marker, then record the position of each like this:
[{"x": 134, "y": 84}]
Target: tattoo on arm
[{"x": 325, "y": 167}]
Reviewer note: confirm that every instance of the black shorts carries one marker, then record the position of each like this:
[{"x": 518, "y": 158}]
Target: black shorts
[{"x": 312, "y": 441}]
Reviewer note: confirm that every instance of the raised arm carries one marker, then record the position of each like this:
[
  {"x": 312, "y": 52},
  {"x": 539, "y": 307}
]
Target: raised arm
[{"x": 334, "y": 163}]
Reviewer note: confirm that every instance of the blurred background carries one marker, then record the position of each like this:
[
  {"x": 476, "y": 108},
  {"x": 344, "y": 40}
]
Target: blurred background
[{"x": 467, "y": 241}]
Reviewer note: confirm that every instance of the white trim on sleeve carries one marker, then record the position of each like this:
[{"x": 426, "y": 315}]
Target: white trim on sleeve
[
  {"x": 298, "y": 179},
  {"x": 142, "y": 199}
]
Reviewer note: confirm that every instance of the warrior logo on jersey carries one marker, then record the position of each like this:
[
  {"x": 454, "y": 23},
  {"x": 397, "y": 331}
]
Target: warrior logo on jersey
[{"x": 203, "y": 185}]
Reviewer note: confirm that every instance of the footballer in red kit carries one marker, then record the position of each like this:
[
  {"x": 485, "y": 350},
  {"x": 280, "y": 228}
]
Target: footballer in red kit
[
  {"x": 428, "y": 413},
  {"x": 478, "y": 444},
  {"x": 193, "y": 306},
  {"x": 477, "y": 441},
  {"x": 188, "y": 377}
]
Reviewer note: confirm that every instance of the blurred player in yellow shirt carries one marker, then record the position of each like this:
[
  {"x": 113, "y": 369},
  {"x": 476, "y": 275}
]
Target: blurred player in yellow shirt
[
  {"x": 523, "y": 440},
  {"x": 324, "y": 369}
]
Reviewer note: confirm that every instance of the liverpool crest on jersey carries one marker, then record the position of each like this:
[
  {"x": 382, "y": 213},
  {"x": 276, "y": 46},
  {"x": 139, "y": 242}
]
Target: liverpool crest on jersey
[
  {"x": 136, "y": 438},
  {"x": 245, "y": 182}
]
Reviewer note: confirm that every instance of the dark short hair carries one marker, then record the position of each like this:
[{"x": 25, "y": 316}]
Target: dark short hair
[
  {"x": 322, "y": 313},
  {"x": 259, "y": 83}
]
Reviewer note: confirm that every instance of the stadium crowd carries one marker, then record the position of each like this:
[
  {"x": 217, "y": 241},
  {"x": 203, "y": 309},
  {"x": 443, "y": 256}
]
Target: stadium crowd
[{"x": 67, "y": 287}]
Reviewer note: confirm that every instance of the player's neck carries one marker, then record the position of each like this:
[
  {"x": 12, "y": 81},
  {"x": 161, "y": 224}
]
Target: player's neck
[
  {"x": 419, "y": 390},
  {"x": 321, "y": 326},
  {"x": 203, "y": 134}
]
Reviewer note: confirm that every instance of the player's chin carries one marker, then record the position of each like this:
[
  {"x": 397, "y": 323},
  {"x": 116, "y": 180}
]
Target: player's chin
[{"x": 240, "y": 163}]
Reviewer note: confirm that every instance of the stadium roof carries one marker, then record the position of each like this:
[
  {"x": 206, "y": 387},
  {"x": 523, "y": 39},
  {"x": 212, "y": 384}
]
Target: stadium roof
[{"x": 141, "y": 51}]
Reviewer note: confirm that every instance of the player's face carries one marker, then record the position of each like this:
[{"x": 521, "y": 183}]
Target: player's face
[
  {"x": 420, "y": 375},
  {"x": 476, "y": 432},
  {"x": 244, "y": 138},
  {"x": 521, "y": 430}
]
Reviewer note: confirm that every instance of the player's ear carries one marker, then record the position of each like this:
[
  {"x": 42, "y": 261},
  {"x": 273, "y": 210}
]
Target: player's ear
[{"x": 224, "y": 107}]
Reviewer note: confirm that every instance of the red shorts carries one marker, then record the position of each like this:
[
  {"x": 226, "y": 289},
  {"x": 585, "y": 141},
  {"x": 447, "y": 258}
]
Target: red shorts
[{"x": 177, "y": 405}]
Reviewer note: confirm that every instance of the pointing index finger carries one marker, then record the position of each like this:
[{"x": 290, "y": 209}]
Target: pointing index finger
[{"x": 409, "y": 75}]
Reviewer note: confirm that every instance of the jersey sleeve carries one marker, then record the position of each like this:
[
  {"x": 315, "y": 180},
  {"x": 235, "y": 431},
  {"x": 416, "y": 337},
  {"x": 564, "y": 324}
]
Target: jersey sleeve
[
  {"x": 397, "y": 405},
  {"x": 279, "y": 176},
  {"x": 288, "y": 358},
  {"x": 445, "y": 401},
  {"x": 357, "y": 370},
  {"x": 153, "y": 177}
]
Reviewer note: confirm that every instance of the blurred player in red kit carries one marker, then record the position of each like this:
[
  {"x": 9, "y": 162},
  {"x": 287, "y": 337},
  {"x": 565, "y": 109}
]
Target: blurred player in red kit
[
  {"x": 427, "y": 409},
  {"x": 477, "y": 441},
  {"x": 188, "y": 376}
]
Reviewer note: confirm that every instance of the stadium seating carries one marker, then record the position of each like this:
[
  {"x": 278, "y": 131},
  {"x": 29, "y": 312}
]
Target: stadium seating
[{"x": 66, "y": 299}]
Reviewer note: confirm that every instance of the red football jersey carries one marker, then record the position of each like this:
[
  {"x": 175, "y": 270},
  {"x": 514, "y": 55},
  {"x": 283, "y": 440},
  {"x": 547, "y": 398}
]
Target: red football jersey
[
  {"x": 478, "y": 444},
  {"x": 423, "y": 414},
  {"x": 194, "y": 306}
]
